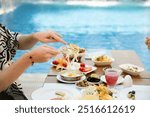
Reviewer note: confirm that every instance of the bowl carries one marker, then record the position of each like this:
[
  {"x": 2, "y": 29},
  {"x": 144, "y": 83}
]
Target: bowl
[
  {"x": 71, "y": 75},
  {"x": 131, "y": 69},
  {"x": 71, "y": 50},
  {"x": 82, "y": 84},
  {"x": 103, "y": 60},
  {"x": 80, "y": 56},
  {"x": 93, "y": 79}
]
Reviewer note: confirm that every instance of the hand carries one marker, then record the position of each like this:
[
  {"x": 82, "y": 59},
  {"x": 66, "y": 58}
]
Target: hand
[
  {"x": 147, "y": 41},
  {"x": 43, "y": 54},
  {"x": 48, "y": 36}
]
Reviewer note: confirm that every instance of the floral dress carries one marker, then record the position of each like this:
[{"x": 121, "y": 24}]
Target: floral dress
[{"x": 8, "y": 47}]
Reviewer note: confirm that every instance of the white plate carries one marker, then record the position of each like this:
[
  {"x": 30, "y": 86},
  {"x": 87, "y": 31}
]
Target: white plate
[
  {"x": 93, "y": 69},
  {"x": 57, "y": 65},
  {"x": 76, "y": 66},
  {"x": 47, "y": 93},
  {"x": 141, "y": 93},
  {"x": 69, "y": 82},
  {"x": 124, "y": 67},
  {"x": 120, "y": 79}
]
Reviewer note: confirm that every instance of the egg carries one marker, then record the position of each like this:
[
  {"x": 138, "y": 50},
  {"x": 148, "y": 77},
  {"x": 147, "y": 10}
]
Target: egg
[{"x": 128, "y": 82}]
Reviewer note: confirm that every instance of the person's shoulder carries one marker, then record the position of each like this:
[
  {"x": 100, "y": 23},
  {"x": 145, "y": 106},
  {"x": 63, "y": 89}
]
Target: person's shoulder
[{"x": 1, "y": 25}]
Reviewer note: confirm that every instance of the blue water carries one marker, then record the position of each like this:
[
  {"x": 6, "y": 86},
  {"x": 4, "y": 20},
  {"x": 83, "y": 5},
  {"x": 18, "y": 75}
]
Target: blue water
[{"x": 118, "y": 27}]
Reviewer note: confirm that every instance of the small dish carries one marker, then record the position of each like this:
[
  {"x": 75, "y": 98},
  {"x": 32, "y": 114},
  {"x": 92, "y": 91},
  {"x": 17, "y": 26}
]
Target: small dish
[
  {"x": 93, "y": 79},
  {"x": 59, "y": 78},
  {"x": 71, "y": 75},
  {"x": 103, "y": 60},
  {"x": 131, "y": 69},
  {"x": 82, "y": 84},
  {"x": 72, "y": 50}
]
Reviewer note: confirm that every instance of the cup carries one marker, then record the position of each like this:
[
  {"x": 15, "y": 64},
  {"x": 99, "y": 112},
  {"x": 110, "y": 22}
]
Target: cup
[{"x": 111, "y": 76}]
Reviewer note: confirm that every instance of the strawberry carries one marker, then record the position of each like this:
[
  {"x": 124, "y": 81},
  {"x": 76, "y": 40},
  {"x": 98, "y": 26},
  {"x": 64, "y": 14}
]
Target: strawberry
[{"x": 55, "y": 62}]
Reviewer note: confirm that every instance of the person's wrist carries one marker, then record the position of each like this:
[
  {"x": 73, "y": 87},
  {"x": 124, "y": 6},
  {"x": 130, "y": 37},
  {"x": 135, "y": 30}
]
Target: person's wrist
[
  {"x": 29, "y": 58},
  {"x": 33, "y": 37}
]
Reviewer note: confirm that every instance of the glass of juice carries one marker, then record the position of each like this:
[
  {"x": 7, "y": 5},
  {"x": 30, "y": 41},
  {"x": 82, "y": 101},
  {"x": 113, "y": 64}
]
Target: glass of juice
[{"x": 111, "y": 76}]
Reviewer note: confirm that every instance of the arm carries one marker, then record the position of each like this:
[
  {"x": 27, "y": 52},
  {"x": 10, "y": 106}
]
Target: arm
[
  {"x": 28, "y": 41},
  {"x": 9, "y": 75},
  {"x": 148, "y": 42}
]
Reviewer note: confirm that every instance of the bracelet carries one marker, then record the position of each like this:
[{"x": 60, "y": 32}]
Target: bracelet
[{"x": 30, "y": 57}]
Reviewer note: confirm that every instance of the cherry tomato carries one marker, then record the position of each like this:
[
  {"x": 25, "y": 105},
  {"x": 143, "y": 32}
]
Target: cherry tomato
[
  {"x": 55, "y": 62},
  {"x": 81, "y": 69},
  {"x": 64, "y": 64},
  {"x": 82, "y": 65}
]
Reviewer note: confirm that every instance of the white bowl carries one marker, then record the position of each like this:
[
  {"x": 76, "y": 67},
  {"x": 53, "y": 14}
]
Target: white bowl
[
  {"x": 127, "y": 68},
  {"x": 71, "y": 75},
  {"x": 103, "y": 63}
]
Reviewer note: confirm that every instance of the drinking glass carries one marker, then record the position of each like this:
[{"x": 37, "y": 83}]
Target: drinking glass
[{"x": 111, "y": 76}]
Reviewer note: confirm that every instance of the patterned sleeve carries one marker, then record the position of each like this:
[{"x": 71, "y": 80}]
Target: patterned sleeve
[
  {"x": 8, "y": 45},
  {"x": 13, "y": 36}
]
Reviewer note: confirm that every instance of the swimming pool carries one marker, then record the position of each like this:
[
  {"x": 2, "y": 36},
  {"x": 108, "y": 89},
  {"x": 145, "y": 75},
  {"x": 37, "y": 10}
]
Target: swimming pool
[{"x": 121, "y": 27}]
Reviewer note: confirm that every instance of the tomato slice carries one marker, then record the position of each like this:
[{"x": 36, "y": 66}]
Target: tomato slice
[{"x": 85, "y": 69}]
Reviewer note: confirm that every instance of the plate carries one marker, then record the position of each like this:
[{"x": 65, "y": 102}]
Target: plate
[
  {"x": 93, "y": 69},
  {"x": 125, "y": 67},
  {"x": 141, "y": 92},
  {"x": 48, "y": 93},
  {"x": 76, "y": 66},
  {"x": 69, "y": 82},
  {"x": 57, "y": 65},
  {"x": 80, "y": 86},
  {"x": 120, "y": 79}
]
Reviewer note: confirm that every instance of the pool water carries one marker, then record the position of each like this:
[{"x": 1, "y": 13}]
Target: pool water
[{"x": 121, "y": 27}]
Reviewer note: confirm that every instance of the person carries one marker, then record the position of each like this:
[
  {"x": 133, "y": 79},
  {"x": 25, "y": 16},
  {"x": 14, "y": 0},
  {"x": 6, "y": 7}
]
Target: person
[
  {"x": 10, "y": 71},
  {"x": 148, "y": 42}
]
